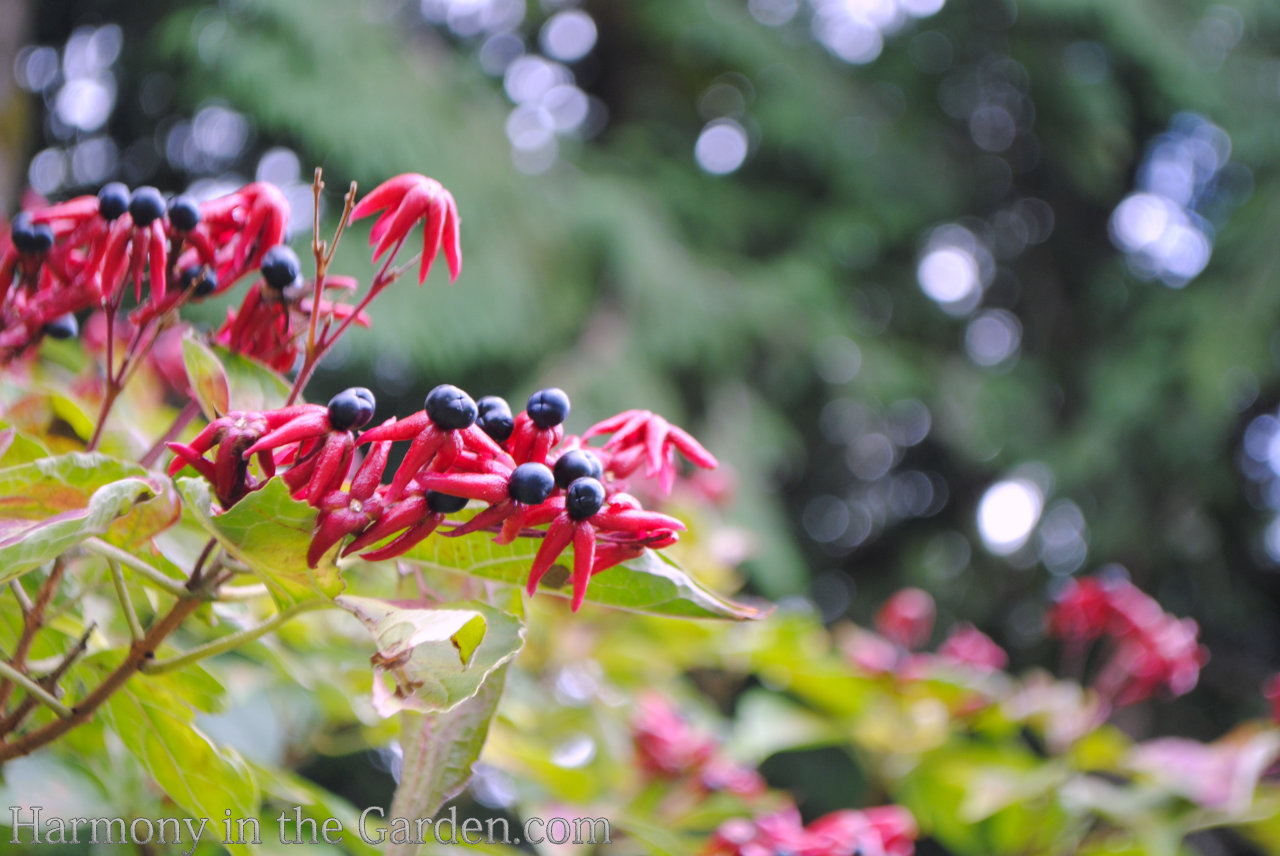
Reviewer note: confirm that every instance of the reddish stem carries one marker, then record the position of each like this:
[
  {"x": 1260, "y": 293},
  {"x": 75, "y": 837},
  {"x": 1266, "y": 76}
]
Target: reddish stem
[{"x": 182, "y": 420}]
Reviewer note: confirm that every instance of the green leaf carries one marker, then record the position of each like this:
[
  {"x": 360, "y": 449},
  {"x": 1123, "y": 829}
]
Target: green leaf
[
  {"x": 40, "y": 489},
  {"x": 73, "y": 413},
  {"x": 208, "y": 378},
  {"x": 17, "y": 448},
  {"x": 251, "y": 385},
  {"x": 26, "y": 546},
  {"x": 286, "y": 788},
  {"x": 435, "y": 658},
  {"x": 652, "y": 583},
  {"x": 155, "y": 724},
  {"x": 438, "y": 751},
  {"x": 269, "y": 531},
  {"x": 766, "y": 723}
]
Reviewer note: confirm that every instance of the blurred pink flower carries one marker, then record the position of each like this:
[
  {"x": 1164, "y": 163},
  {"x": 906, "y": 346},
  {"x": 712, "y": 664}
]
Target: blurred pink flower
[{"x": 907, "y": 618}]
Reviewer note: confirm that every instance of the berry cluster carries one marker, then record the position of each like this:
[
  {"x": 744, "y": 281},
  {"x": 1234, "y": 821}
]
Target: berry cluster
[
  {"x": 79, "y": 255},
  {"x": 523, "y": 467},
  {"x": 888, "y": 830},
  {"x": 1149, "y": 649},
  {"x": 272, "y": 320}
]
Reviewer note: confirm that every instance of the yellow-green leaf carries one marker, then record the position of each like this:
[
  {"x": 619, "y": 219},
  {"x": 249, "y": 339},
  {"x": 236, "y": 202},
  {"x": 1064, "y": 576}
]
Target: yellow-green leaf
[
  {"x": 434, "y": 658},
  {"x": 269, "y": 531},
  {"x": 208, "y": 378}
]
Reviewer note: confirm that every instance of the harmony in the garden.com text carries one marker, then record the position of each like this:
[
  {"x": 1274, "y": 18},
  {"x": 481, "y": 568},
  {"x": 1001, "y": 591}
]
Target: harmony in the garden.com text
[{"x": 32, "y": 825}]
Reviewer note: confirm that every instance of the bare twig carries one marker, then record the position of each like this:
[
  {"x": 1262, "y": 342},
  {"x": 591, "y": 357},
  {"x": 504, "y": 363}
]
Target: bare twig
[
  {"x": 24, "y": 602},
  {"x": 37, "y": 692},
  {"x": 31, "y": 624},
  {"x": 126, "y": 603},
  {"x": 139, "y": 653},
  {"x": 231, "y": 641},
  {"x": 50, "y": 682},
  {"x": 323, "y": 252},
  {"x": 191, "y": 411},
  {"x": 148, "y": 573},
  {"x": 198, "y": 571}
]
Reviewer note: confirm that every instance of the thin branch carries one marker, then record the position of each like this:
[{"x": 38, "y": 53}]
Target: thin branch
[
  {"x": 146, "y": 571},
  {"x": 139, "y": 653},
  {"x": 135, "y": 353},
  {"x": 249, "y": 592},
  {"x": 108, "y": 401},
  {"x": 323, "y": 252},
  {"x": 234, "y": 640},
  {"x": 50, "y": 682},
  {"x": 24, "y": 602},
  {"x": 318, "y": 251},
  {"x": 130, "y": 615},
  {"x": 348, "y": 205},
  {"x": 198, "y": 571},
  {"x": 38, "y": 692},
  {"x": 191, "y": 411},
  {"x": 31, "y": 624}
]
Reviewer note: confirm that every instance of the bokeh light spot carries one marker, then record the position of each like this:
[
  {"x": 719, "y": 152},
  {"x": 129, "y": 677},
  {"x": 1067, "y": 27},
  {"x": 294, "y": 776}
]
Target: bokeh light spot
[
  {"x": 1008, "y": 513},
  {"x": 722, "y": 147}
]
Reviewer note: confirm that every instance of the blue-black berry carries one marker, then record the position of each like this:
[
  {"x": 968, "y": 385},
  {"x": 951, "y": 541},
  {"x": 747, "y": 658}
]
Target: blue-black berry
[
  {"x": 113, "y": 200},
  {"x": 184, "y": 213},
  {"x": 146, "y": 206},
  {"x": 577, "y": 464},
  {"x": 280, "y": 267},
  {"x": 62, "y": 327},
  {"x": 443, "y": 503},
  {"x": 450, "y": 408},
  {"x": 531, "y": 484},
  {"x": 350, "y": 409},
  {"x": 548, "y": 407},
  {"x": 202, "y": 280},
  {"x": 584, "y": 498},
  {"x": 30, "y": 237},
  {"x": 495, "y": 418}
]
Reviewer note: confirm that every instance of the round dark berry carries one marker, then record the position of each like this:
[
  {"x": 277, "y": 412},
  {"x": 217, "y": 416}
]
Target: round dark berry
[
  {"x": 351, "y": 409},
  {"x": 548, "y": 407},
  {"x": 577, "y": 464},
  {"x": 531, "y": 484},
  {"x": 62, "y": 327},
  {"x": 28, "y": 237},
  {"x": 146, "y": 206},
  {"x": 495, "y": 418},
  {"x": 202, "y": 281},
  {"x": 450, "y": 408},
  {"x": 113, "y": 200},
  {"x": 443, "y": 503},
  {"x": 184, "y": 213},
  {"x": 584, "y": 498},
  {"x": 280, "y": 267}
]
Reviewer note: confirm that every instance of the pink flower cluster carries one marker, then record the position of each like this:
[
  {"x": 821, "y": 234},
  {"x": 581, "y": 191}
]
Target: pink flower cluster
[
  {"x": 904, "y": 624},
  {"x": 888, "y": 830},
  {"x": 669, "y": 748},
  {"x": 523, "y": 468},
  {"x": 1271, "y": 692},
  {"x": 1148, "y": 649}
]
